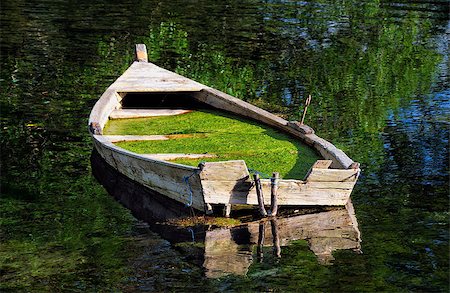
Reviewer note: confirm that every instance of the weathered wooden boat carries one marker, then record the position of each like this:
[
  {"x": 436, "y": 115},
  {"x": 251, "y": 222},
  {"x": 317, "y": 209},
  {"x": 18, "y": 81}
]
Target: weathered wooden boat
[
  {"x": 329, "y": 182},
  {"x": 232, "y": 250}
]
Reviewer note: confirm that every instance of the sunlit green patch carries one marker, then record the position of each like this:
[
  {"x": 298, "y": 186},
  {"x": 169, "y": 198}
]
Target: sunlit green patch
[
  {"x": 225, "y": 136},
  {"x": 205, "y": 221}
]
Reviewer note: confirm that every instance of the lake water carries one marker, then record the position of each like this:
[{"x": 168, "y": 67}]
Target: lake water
[{"x": 379, "y": 76}]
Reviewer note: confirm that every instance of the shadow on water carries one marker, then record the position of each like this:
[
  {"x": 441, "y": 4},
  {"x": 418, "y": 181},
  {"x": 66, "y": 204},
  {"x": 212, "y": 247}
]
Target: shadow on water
[{"x": 223, "y": 250}]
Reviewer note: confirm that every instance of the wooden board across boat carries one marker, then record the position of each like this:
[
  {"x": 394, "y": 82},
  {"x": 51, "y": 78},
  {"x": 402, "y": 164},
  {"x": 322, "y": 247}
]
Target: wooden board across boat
[{"x": 329, "y": 181}]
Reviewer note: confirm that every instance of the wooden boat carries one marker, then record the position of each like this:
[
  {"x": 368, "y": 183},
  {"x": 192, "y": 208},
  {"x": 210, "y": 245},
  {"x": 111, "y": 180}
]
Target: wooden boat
[
  {"x": 329, "y": 182},
  {"x": 231, "y": 250}
]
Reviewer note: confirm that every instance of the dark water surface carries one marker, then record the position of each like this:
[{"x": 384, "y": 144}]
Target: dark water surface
[{"x": 379, "y": 75}]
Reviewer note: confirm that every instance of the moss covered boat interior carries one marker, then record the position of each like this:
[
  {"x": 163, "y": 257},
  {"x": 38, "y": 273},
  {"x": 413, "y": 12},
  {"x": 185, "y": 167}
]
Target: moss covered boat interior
[{"x": 222, "y": 135}]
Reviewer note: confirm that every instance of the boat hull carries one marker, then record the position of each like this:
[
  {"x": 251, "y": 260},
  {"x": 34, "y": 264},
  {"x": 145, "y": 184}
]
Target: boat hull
[
  {"x": 329, "y": 182},
  {"x": 231, "y": 250}
]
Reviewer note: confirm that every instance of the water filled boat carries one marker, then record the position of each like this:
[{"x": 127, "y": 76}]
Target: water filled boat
[
  {"x": 146, "y": 90},
  {"x": 230, "y": 247}
]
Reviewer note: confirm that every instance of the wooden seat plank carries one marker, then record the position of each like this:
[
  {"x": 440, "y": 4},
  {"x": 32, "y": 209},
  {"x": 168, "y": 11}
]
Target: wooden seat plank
[
  {"x": 165, "y": 157},
  {"x": 118, "y": 138},
  {"x": 143, "y": 113}
]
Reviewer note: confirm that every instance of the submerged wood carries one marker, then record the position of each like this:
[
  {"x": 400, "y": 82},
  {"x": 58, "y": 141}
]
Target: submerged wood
[
  {"x": 169, "y": 157},
  {"x": 325, "y": 232},
  {"x": 219, "y": 182},
  {"x": 143, "y": 113},
  {"x": 224, "y": 251},
  {"x": 119, "y": 138}
]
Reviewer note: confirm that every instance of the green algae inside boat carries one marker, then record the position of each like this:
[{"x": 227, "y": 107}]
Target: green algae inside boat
[
  {"x": 212, "y": 136},
  {"x": 172, "y": 123}
]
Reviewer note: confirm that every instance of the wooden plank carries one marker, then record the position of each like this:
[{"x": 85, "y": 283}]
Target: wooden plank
[
  {"x": 322, "y": 164},
  {"x": 224, "y": 171},
  {"x": 118, "y": 138},
  {"x": 229, "y": 103},
  {"x": 143, "y": 113},
  {"x": 141, "y": 53},
  {"x": 168, "y": 157},
  {"x": 292, "y": 192},
  {"x": 332, "y": 175},
  {"x": 346, "y": 185},
  {"x": 147, "y": 77},
  {"x": 227, "y": 210}
]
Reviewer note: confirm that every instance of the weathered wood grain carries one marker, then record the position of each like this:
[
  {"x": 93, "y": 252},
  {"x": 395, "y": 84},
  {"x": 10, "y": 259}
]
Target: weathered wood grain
[
  {"x": 332, "y": 175},
  {"x": 141, "y": 53},
  {"x": 143, "y": 113},
  {"x": 119, "y": 138},
  {"x": 303, "y": 128},
  {"x": 216, "y": 183},
  {"x": 229, "y": 170},
  {"x": 109, "y": 101},
  {"x": 322, "y": 164},
  {"x": 168, "y": 157},
  {"x": 229, "y": 103},
  {"x": 147, "y": 77},
  {"x": 161, "y": 176},
  {"x": 290, "y": 192}
]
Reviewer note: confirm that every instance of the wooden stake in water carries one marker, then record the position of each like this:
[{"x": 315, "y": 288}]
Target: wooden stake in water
[
  {"x": 259, "y": 194},
  {"x": 276, "y": 238},
  {"x": 273, "y": 193},
  {"x": 307, "y": 102},
  {"x": 259, "y": 248}
]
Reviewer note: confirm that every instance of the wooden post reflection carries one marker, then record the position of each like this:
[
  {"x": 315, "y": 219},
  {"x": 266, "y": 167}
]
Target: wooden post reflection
[
  {"x": 259, "y": 248},
  {"x": 276, "y": 238}
]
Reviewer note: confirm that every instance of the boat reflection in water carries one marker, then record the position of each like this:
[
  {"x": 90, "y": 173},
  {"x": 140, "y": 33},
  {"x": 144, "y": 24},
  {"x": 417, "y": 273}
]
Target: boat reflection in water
[{"x": 223, "y": 251}]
